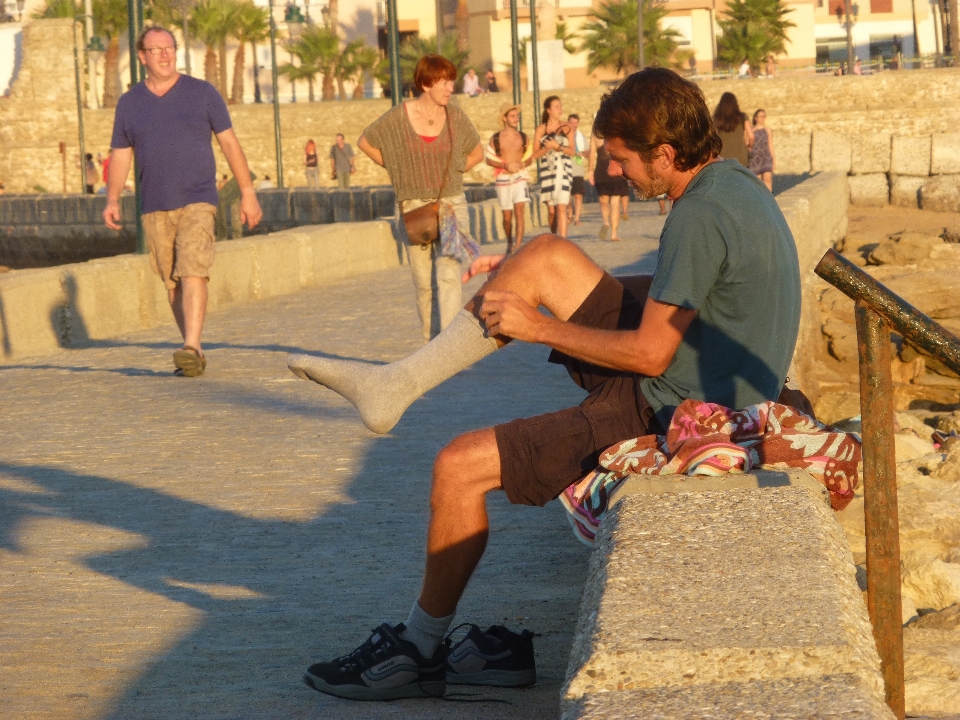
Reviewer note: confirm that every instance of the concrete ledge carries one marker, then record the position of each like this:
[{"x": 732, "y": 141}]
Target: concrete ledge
[
  {"x": 723, "y": 603},
  {"x": 816, "y": 211}
]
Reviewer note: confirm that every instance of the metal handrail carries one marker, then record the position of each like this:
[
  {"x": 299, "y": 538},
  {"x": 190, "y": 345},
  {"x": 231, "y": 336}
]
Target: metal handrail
[{"x": 877, "y": 311}]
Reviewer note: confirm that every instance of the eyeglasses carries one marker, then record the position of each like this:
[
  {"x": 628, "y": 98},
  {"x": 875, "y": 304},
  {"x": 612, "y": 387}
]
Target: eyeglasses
[{"x": 161, "y": 51}]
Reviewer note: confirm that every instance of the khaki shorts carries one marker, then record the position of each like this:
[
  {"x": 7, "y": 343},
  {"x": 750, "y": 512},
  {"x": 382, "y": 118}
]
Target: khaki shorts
[{"x": 180, "y": 242}]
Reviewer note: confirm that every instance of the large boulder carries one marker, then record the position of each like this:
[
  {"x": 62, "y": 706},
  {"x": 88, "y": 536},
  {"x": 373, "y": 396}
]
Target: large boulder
[
  {"x": 941, "y": 193},
  {"x": 929, "y": 581},
  {"x": 906, "y": 249},
  {"x": 905, "y": 190},
  {"x": 932, "y": 667}
]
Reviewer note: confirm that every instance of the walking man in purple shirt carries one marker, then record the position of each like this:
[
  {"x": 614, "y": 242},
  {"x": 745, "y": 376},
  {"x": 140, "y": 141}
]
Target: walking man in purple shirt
[{"x": 166, "y": 121}]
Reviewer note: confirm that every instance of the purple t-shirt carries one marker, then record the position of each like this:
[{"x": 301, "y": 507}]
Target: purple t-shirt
[{"x": 170, "y": 137}]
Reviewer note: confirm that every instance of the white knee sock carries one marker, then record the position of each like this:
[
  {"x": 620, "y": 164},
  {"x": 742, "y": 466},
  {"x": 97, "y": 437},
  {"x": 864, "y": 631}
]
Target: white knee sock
[
  {"x": 425, "y": 631},
  {"x": 382, "y": 393}
]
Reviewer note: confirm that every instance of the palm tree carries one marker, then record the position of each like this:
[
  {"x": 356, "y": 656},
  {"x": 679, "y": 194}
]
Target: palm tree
[
  {"x": 752, "y": 29},
  {"x": 414, "y": 48},
  {"x": 56, "y": 9},
  {"x": 214, "y": 21},
  {"x": 253, "y": 26},
  {"x": 318, "y": 50},
  {"x": 354, "y": 62},
  {"x": 611, "y": 39}
]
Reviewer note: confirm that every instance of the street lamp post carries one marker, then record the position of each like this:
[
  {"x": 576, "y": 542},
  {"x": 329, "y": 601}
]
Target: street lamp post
[
  {"x": 640, "y": 59},
  {"x": 393, "y": 48},
  {"x": 276, "y": 97},
  {"x": 21, "y": 4},
  {"x": 850, "y": 8},
  {"x": 534, "y": 59},
  {"x": 515, "y": 58},
  {"x": 134, "y": 26},
  {"x": 294, "y": 20},
  {"x": 95, "y": 51},
  {"x": 83, "y": 147}
]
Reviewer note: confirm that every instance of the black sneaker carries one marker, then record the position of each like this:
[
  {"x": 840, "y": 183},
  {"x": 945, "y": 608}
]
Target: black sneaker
[
  {"x": 496, "y": 657},
  {"x": 385, "y": 667}
]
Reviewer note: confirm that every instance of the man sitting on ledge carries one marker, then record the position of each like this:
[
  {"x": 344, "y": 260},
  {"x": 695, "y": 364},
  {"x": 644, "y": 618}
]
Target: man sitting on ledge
[{"x": 717, "y": 321}]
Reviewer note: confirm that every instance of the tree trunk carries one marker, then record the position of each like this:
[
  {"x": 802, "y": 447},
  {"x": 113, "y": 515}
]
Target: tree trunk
[
  {"x": 954, "y": 30},
  {"x": 310, "y": 88},
  {"x": 112, "y": 87},
  {"x": 236, "y": 92},
  {"x": 341, "y": 89},
  {"x": 463, "y": 26},
  {"x": 328, "y": 92},
  {"x": 211, "y": 73},
  {"x": 223, "y": 70},
  {"x": 358, "y": 89},
  {"x": 256, "y": 74}
]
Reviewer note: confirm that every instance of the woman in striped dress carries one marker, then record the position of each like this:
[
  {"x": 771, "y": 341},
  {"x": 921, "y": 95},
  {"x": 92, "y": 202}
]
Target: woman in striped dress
[{"x": 554, "y": 152}]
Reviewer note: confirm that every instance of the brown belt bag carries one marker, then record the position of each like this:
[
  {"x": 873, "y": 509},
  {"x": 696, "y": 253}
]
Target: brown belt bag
[{"x": 423, "y": 224}]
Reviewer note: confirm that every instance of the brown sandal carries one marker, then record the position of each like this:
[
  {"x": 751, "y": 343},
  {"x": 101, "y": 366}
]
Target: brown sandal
[{"x": 189, "y": 361}]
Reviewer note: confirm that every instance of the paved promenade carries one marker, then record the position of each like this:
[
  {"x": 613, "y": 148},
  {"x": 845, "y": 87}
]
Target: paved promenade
[{"x": 183, "y": 548}]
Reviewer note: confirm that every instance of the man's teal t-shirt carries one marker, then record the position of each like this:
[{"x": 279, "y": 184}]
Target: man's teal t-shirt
[{"x": 726, "y": 252}]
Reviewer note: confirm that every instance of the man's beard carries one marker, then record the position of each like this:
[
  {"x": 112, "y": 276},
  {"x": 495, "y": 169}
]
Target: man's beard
[{"x": 658, "y": 184}]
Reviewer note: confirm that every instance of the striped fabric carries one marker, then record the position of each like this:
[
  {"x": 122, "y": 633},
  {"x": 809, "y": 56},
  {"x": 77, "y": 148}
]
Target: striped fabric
[{"x": 556, "y": 172}]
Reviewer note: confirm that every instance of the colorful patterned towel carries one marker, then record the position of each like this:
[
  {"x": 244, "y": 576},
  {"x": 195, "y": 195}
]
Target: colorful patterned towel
[
  {"x": 454, "y": 242},
  {"x": 708, "y": 439}
]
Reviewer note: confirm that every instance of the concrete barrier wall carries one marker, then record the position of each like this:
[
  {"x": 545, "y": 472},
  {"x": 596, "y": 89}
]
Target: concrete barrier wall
[
  {"x": 731, "y": 596},
  {"x": 816, "y": 211},
  {"x": 43, "y": 310},
  {"x": 723, "y": 603}
]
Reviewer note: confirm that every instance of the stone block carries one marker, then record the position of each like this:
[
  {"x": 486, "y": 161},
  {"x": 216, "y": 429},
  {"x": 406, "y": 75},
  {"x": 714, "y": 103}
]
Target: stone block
[
  {"x": 90, "y": 209},
  {"x": 870, "y": 153},
  {"x": 905, "y": 190},
  {"x": 945, "y": 153},
  {"x": 33, "y": 303},
  {"x": 23, "y": 210},
  {"x": 793, "y": 153},
  {"x": 103, "y": 297},
  {"x": 383, "y": 200},
  {"x": 830, "y": 152},
  {"x": 310, "y": 207},
  {"x": 910, "y": 155},
  {"x": 233, "y": 277},
  {"x": 871, "y": 190},
  {"x": 277, "y": 263},
  {"x": 691, "y": 592},
  {"x": 276, "y": 209},
  {"x": 341, "y": 202},
  {"x": 838, "y": 697},
  {"x": 941, "y": 193},
  {"x": 362, "y": 205}
]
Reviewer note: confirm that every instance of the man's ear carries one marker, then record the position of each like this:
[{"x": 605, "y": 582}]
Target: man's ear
[{"x": 664, "y": 157}]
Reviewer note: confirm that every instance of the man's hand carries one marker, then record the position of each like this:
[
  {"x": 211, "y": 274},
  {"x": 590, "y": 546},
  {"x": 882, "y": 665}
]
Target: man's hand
[
  {"x": 111, "y": 215},
  {"x": 250, "y": 212},
  {"x": 483, "y": 264},
  {"x": 506, "y": 313}
]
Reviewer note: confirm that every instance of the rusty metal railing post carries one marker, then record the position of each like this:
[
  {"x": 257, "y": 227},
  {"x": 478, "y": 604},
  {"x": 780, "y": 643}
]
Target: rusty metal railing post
[{"x": 881, "y": 518}]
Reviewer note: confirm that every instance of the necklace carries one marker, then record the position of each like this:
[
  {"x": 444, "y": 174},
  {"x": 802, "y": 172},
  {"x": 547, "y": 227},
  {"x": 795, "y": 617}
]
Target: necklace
[{"x": 424, "y": 115}]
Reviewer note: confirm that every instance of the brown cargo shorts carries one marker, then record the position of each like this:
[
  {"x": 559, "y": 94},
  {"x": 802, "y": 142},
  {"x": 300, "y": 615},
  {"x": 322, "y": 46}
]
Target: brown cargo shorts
[
  {"x": 542, "y": 455},
  {"x": 180, "y": 242}
]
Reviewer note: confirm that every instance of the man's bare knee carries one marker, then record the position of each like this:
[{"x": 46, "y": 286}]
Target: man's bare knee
[{"x": 468, "y": 467}]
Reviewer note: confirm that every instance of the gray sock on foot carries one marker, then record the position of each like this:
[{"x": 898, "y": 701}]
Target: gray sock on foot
[
  {"x": 425, "y": 631},
  {"x": 382, "y": 393}
]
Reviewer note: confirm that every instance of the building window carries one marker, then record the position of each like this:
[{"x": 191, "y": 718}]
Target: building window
[{"x": 881, "y": 6}]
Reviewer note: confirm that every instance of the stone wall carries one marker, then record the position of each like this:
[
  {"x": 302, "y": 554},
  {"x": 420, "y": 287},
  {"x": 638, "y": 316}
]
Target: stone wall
[
  {"x": 42, "y": 112},
  {"x": 905, "y": 170}
]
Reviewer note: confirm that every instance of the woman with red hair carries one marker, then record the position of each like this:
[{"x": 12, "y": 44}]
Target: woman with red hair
[{"x": 426, "y": 146}]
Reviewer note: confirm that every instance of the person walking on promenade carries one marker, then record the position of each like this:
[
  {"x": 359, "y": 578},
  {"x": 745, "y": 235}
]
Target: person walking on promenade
[
  {"x": 734, "y": 129},
  {"x": 427, "y": 145},
  {"x": 554, "y": 149},
  {"x": 166, "y": 122},
  {"x": 310, "y": 164},
  {"x": 611, "y": 189},
  {"x": 342, "y": 162},
  {"x": 717, "y": 322},
  {"x": 579, "y": 167},
  {"x": 89, "y": 174},
  {"x": 509, "y": 153},
  {"x": 762, "y": 157}
]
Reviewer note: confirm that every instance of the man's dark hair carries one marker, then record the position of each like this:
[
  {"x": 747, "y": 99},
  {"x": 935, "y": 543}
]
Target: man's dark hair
[
  {"x": 657, "y": 107},
  {"x": 153, "y": 28},
  {"x": 571, "y": 116}
]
